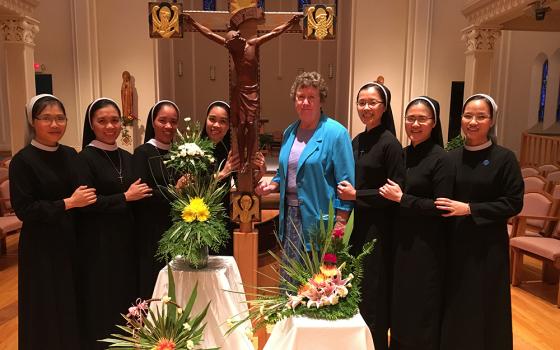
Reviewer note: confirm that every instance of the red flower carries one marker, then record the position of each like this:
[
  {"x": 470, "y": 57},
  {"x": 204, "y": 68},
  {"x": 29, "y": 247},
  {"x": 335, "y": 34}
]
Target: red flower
[
  {"x": 338, "y": 232},
  {"x": 165, "y": 344},
  {"x": 329, "y": 258}
]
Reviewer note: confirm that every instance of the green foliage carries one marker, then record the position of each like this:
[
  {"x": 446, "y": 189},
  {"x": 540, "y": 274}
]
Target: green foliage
[
  {"x": 148, "y": 328},
  {"x": 197, "y": 211},
  {"x": 455, "y": 142},
  {"x": 187, "y": 238},
  {"x": 271, "y": 304}
]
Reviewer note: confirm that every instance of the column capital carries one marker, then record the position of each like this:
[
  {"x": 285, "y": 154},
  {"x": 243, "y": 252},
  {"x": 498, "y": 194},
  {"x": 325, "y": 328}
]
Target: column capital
[
  {"x": 480, "y": 39},
  {"x": 19, "y": 30}
]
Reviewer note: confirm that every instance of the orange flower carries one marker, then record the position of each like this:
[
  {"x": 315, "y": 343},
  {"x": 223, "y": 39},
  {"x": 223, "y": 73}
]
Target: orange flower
[{"x": 165, "y": 344}]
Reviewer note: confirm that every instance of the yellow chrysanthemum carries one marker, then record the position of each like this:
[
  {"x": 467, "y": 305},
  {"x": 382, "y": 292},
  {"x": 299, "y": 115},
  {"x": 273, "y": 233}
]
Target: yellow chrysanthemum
[
  {"x": 197, "y": 204},
  {"x": 203, "y": 215},
  {"x": 188, "y": 214}
]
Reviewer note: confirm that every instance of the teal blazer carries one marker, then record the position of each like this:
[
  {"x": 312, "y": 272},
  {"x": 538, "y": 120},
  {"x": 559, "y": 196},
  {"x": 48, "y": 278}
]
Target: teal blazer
[{"x": 326, "y": 160}]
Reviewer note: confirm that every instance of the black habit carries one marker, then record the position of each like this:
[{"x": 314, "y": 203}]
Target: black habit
[
  {"x": 477, "y": 304},
  {"x": 107, "y": 245},
  {"x": 47, "y": 309},
  {"x": 378, "y": 156},
  {"x": 419, "y": 244},
  {"x": 151, "y": 214}
]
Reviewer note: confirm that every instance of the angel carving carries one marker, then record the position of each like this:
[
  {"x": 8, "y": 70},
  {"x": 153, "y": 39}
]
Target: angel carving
[
  {"x": 321, "y": 21},
  {"x": 245, "y": 208},
  {"x": 163, "y": 24}
]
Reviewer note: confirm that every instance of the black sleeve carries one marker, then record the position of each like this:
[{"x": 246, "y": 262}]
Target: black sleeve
[
  {"x": 510, "y": 200},
  {"x": 443, "y": 179},
  {"x": 114, "y": 203},
  {"x": 394, "y": 165},
  {"x": 24, "y": 196}
]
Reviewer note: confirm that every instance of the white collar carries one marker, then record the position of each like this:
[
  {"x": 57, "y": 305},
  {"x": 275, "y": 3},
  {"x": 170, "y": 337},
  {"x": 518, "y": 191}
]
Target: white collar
[
  {"x": 160, "y": 145},
  {"x": 103, "y": 145},
  {"x": 479, "y": 147},
  {"x": 40, "y": 146}
]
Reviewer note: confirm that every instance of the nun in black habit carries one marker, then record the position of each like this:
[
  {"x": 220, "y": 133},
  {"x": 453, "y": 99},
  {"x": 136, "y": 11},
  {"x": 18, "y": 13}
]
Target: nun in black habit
[
  {"x": 152, "y": 214},
  {"x": 107, "y": 238},
  {"x": 419, "y": 236},
  {"x": 378, "y": 157},
  {"x": 488, "y": 190},
  {"x": 44, "y": 187}
]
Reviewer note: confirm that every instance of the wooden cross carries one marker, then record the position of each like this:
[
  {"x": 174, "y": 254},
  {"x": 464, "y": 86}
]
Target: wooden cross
[{"x": 241, "y": 38}]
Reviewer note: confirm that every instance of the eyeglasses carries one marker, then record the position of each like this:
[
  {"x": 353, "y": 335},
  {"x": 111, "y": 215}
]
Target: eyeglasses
[
  {"x": 371, "y": 103},
  {"x": 59, "y": 119},
  {"x": 477, "y": 118},
  {"x": 421, "y": 119}
]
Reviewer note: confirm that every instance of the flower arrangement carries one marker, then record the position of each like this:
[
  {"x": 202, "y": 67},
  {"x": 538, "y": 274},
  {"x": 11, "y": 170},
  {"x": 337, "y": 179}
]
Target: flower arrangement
[
  {"x": 190, "y": 153},
  {"x": 168, "y": 328},
  {"x": 322, "y": 284},
  {"x": 197, "y": 211}
]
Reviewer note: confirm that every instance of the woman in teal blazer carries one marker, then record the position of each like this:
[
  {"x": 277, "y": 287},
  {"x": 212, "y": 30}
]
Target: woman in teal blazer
[{"x": 315, "y": 156}]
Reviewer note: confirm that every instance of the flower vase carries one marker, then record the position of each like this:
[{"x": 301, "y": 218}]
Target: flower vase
[{"x": 199, "y": 260}]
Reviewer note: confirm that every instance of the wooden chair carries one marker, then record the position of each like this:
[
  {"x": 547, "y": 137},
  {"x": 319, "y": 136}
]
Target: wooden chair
[
  {"x": 9, "y": 223},
  {"x": 556, "y": 192},
  {"x": 528, "y": 171},
  {"x": 534, "y": 183},
  {"x": 546, "y": 249},
  {"x": 535, "y": 204},
  {"x": 547, "y": 168},
  {"x": 553, "y": 178}
]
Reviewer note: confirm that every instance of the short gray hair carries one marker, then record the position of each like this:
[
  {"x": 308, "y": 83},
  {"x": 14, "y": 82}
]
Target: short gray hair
[{"x": 310, "y": 79}]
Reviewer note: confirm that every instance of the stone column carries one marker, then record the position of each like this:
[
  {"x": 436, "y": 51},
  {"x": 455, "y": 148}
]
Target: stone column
[
  {"x": 480, "y": 43},
  {"x": 18, "y": 34}
]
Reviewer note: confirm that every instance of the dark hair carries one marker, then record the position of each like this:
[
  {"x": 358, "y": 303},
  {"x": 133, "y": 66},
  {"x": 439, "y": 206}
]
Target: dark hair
[
  {"x": 425, "y": 103},
  {"x": 218, "y": 104},
  {"x": 376, "y": 87},
  {"x": 102, "y": 104},
  {"x": 43, "y": 102},
  {"x": 476, "y": 98}
]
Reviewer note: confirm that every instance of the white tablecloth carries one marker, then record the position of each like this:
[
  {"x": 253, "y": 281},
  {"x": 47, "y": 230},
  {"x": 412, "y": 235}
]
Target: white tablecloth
[
  {"x": 302, "y": 333},
  {"x": 220, "y": 274}
]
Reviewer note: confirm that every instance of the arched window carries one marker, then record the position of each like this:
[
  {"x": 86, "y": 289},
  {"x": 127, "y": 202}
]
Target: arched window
[{"x": 542, "y": 99}]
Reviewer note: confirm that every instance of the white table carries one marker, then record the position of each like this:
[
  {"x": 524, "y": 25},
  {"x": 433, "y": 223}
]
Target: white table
[
  {"x": 301, "y": 333},
  {"x": 221, "y": 274}
]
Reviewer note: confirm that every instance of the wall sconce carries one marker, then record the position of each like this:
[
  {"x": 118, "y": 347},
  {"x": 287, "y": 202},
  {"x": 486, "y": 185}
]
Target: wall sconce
[
  {"x": 212, "y": 72},
  {"x": 331, "y": 71},
  {"x": 180, "y": 68}
]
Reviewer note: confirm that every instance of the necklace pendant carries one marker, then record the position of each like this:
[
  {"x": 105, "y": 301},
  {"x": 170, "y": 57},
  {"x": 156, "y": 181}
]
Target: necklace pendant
[{"x": 121, "y": 179}]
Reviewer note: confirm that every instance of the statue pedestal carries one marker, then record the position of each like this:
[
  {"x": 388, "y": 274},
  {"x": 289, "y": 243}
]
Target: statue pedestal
[{"x": 254, "y": 267}]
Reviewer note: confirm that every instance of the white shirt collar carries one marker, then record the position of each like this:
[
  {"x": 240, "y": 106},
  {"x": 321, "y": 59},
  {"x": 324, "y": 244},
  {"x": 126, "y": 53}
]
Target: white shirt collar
[
  {"x": 40, "y": 146},
  {"x": 479, "y": 147},
  {"x": 103, "y": 145},
  {"x": 160, "y": 145}
]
